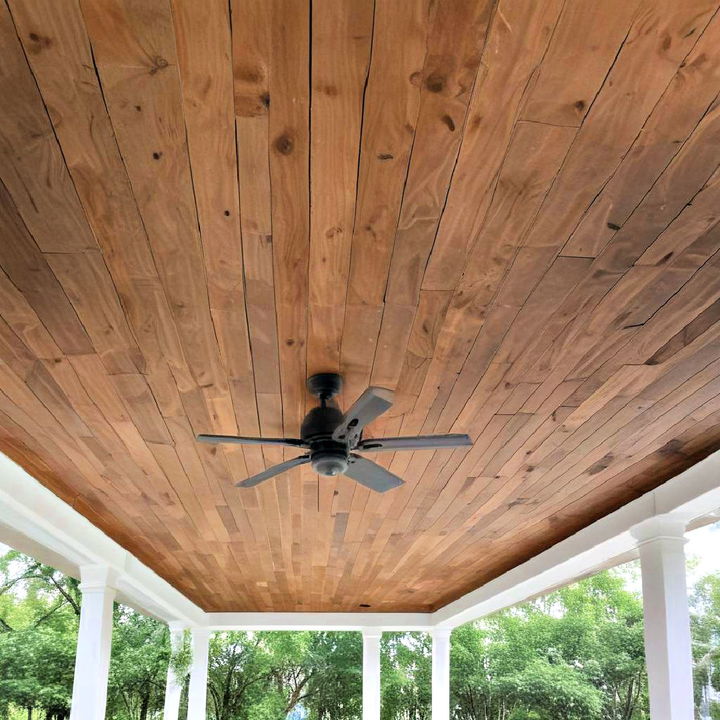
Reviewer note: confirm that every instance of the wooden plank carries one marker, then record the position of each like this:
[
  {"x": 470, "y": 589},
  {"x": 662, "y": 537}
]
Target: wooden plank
[
  {"x": 31, "y": 164},
  {"x": 134, "y": 50},
  {"x": 665, "y": 133},
  {"x": 619, "y": 112},
  {"x": 582, "y": 360},
  {"x": 341, "y": 41},
  {"x": 66, "y": 75},
  {"x": 390, "y": 112},
  {"x": 203, "y": 48},
  {"x": 517, "y": 41},
  {"x": 251, "y": 60},
  {"x": 28, "y": 270},
  {"x": 289, "y": 138},
  {"x": 587, "y": 38}
]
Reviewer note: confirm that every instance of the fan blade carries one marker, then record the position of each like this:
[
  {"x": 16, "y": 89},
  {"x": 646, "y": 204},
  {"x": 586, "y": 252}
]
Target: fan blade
[
  {"x": 419, "y": 442},
  {"x": 273, "y": 471},
  {"x": 371, "y": 404},
  {"x": 240, "y": 440},
  {"x": 372, "y": 475}
]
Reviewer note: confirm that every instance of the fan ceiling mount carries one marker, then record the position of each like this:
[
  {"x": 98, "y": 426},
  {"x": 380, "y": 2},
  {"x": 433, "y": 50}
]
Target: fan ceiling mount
[{"x": 333, "y": 438}]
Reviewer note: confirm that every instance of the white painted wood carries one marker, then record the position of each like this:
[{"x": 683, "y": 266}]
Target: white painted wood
[
  {"x": 92, "y": 660},
  {"x": 197, "y": 692},
  {"x": 256, "y": 621},
  {"x": 441, "y": 673},
  {"x": 668, "y": 653},
  {"x": 371, "y": 674},
  {"x": 173, "y": 685}
]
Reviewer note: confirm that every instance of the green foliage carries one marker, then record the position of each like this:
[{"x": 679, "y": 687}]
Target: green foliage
[
  {"x": 39, "y": 610},
  {"x": 138, "y": 666},
  {"x": 705, "y": 624},
  {"x": 36, "y": 670},
  {"x": 181, "y": 657},
  {"x": 266, "y": 675},
  {"x": 406, "y": 676},
  {"x": 576, "y": 654}
]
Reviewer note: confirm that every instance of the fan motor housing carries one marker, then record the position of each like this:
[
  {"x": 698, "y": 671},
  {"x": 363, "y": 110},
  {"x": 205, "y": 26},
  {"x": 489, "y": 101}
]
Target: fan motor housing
[{"x": 327, "y": 456}]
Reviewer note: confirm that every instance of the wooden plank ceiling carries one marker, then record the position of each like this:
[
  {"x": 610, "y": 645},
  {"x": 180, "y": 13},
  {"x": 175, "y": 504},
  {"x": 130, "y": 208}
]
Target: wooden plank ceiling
[{"x": 505, "y": 210}]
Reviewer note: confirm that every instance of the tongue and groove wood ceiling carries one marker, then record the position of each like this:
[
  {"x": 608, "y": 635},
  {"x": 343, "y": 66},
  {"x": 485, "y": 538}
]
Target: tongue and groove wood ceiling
[{"x": 507, "y": 211}]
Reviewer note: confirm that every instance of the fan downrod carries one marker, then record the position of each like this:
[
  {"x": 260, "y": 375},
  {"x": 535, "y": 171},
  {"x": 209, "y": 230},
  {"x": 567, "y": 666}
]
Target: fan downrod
[{"x": 325, "y": 386}]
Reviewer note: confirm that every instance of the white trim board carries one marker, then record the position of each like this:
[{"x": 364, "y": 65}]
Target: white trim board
[
  {"x": 318, "y": 621},
  {"x": 36, "y": 521}
]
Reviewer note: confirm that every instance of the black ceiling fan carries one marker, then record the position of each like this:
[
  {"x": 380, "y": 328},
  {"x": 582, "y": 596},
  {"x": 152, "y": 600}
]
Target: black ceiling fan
[{"x": 332, "y": 438}]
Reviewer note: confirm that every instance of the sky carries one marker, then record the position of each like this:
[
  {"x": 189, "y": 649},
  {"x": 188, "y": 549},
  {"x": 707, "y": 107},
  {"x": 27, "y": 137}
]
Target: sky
[{"x": 702, "y": 552}]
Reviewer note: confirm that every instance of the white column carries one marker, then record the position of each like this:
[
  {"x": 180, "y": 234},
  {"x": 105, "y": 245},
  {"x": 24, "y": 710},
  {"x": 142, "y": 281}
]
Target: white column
[
  {"x": 197, "y": 692},
  {"x": 667, "y": 619},
  {"x": 92, "y": 661},
  {"x": 441, "y": 673},
  {"x": 371, "y": 674},
  {"x": 173, "y": 686}
]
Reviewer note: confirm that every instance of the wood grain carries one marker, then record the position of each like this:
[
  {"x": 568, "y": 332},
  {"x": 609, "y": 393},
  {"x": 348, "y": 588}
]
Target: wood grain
[{"x": 505, "y": 211}]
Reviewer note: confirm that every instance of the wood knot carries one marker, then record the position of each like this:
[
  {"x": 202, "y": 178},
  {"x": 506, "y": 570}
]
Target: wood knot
[
  {"x": 580, "y": 105},
  {"x": 284, "y": 144},
  {"x": 435, "y": 83},
  {"x": 449, "y": 122},
  {"x": 40, "y": 42},
  {"x": 159, "y": 63},
  {"x": 265, "y": 100},
  {"x": 385, "y": 156},
  {"x": 250, "y": 74}
]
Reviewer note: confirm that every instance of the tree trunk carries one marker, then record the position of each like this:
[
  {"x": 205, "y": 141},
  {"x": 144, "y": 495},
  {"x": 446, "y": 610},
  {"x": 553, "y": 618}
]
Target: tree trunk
[{"x": 144, "y": 706}]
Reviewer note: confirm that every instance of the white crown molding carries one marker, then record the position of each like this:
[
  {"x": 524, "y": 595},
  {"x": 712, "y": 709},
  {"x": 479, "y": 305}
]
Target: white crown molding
[{"x": 318, "y": 621}]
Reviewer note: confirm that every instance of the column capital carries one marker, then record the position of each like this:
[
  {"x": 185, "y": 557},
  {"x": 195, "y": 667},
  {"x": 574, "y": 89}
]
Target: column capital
[
  {"x": 97, "y": 578},
  {"x": 199, "y": 631},
  {"x": 371, "y": 633},
  {"x": 177, "y": 626},
  {"x": 660, "y": 527},
  {"x": 440, "y": 632}
]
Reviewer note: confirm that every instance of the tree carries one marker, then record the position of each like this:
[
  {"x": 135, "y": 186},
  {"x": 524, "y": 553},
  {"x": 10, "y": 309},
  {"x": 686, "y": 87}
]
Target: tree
[
  {"x": 39, "y": 609},
  {"x": 267, "y": 675},
  {"x": 138, "y": 665},
  {"x": 335, "y": 691},
  {"x": 239, "y": 669},
  {"x": 578, "y": 653},
  {"x": 705, "y": 626},
  {"x": 406, "y": 676}
]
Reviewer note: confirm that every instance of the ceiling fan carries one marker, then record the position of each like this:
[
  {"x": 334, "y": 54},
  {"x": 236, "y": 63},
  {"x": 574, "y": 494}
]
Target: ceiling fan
[{"x": 333, "y": 439}]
